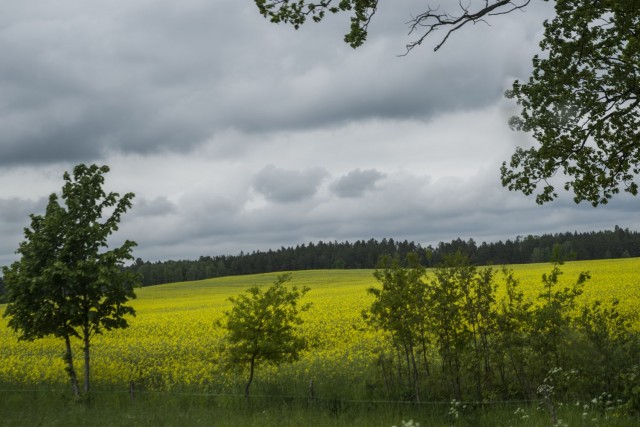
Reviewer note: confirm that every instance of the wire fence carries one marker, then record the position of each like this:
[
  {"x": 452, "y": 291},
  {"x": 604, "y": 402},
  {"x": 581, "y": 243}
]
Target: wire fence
[{"x": 133, "y": 393}]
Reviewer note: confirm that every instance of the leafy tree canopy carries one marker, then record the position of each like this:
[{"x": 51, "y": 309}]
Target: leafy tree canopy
[
  {"x": 262, "y": 326},
  {"x": 581, "y": 103},
  {"x": 67, "y": 283}
]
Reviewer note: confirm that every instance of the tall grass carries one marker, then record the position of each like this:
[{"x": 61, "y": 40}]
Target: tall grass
[{"x": 53, "y": 407}]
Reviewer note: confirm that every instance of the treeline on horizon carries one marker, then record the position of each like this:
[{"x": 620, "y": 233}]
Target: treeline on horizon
[{"x": 617, "y": 243}]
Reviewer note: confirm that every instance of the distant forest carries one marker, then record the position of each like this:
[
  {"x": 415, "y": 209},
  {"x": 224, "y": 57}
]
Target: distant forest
[{"x": 617, "y": 243}]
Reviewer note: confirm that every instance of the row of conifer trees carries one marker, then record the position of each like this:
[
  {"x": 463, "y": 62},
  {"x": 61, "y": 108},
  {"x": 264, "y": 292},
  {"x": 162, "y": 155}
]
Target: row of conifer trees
[{"x": 617, "y": 243}]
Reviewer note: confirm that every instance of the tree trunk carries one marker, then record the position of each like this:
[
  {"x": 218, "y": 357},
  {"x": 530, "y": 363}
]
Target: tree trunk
[
  {"x": 399, "y": 367},
  {"x": 252, "y": 365},
  {"x": 416, "y": 376},
  {"x": 87, "y": 361},
  {"x": 425, "y": 359},
  {"x": 68, "y": 358}
]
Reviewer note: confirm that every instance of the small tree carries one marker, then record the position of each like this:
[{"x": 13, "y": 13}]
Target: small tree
[
  {"x": 399, "y": 308},
  {"x": 262, "y": 326},
  {"x": 66, "y": 283},
  {"x": 551, "y": 319},
  {"x": 513, "y": 322}
]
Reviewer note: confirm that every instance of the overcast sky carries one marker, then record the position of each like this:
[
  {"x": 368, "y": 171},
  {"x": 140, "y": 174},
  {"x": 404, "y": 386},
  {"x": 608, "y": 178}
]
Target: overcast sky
[{"x": 238, "y": 134}]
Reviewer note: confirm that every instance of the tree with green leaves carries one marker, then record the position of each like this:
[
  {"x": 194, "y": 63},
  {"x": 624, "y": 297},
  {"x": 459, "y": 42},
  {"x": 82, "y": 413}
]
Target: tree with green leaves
[
  {"x": 512, "y": 341},
  {"x": 581, "y": 103},
  {"x": 452, "y": 314},
  {"x": 399, "y": 309},
  {"x": 262, "y": 327},
  {"x": 67, "y": 283},
  {"x": 551, "y": 319}
]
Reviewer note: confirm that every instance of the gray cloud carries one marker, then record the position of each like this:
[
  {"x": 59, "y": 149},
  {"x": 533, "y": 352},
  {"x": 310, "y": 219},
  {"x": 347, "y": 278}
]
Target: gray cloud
[
  {"x": 160, "y": 206},
  {"x": 14, "y": 217},
  {"x": 356, "y": 182},
  {"x": 406, "y": 207},
  {"x": 16, "y": 210},
  {"x": 188, "y": 101},
  {"x": 79, "y": 81},
  {"x": 283, "y": 186}
]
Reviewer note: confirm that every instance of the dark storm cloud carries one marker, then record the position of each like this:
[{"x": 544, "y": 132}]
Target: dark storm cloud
[
  {"x": 283, "y": 186},
  {"x": 356, "y": 182},
  {"x": 79, "y": 80},
  {"x": 340, "y": 85}
]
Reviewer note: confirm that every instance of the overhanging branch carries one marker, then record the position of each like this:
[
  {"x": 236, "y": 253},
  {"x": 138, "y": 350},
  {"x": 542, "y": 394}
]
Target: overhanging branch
[{"x": 433, "y": 20}]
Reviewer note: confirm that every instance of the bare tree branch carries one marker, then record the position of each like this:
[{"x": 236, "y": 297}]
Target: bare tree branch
[{"x": 433, "y": 20}]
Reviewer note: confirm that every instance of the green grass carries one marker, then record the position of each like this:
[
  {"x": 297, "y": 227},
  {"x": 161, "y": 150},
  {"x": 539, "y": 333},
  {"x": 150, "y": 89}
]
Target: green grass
[{"x": 52, "y": 407}]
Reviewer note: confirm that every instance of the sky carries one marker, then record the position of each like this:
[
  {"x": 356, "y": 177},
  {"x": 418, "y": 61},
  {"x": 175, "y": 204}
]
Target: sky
[{"x": 236, "y": 134}]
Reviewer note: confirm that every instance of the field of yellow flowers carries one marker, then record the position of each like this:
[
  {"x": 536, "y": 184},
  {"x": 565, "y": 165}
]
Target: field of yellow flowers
[{"x": 173, "y": 343}]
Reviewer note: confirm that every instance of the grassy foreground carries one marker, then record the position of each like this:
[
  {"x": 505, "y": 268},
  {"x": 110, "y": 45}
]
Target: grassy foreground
[
  {"x": 170, "y": 354},
  {"x": 52, "y": 408}
]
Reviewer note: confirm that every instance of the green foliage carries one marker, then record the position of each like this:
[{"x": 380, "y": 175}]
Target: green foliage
[
  {"x": 399, "y": 308},
  {"x": 66, "y": 283},
  {"x": 296, "y": 13},
  {"x": 610, "y": 340},
  {"x": 453, "y": 312},
  {"x": 262, "y": 326},
  {"x": 499, "y": 348},
  {"x": 582, "y": 104},
  {"x": 511, "y": 344},
  {"x": 551, "y": 319},
  {"x": 462, "y": 318}
]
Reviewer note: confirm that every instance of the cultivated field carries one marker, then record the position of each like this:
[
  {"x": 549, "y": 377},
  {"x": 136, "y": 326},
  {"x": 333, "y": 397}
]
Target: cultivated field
[{"x": 173, "y": 344}]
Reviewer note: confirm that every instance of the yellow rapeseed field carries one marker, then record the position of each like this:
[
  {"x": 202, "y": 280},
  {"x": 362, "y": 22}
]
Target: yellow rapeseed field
[{"x": 173, "y": 343}]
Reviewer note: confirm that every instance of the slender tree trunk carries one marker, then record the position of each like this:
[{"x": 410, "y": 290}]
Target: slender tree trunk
[
  {"x": 387, "y": 385},
  {"x": 407, "y": 357},
  {"x": 87, "y": 360},
  {"x": 399, "y": 367},
  {"x": 487, "y": 353},
  {"x": 252, "y": 364},
  {"x": 457, "y": 381},
  {"x": 503, "y": 374},
  {"x": 476, "y": 358},
  {"x": 424, "y": 354},
  {"x": 416, "y": 376},
  {"x": 68, "y": 358}
]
